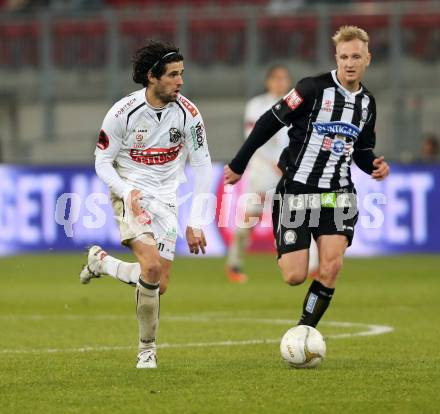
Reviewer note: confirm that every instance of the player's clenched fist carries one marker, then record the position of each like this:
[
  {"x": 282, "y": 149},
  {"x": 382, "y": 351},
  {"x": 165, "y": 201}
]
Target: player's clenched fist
[
  {"x": 230, "y": 176},
  {"x": 381, "y": 169}
]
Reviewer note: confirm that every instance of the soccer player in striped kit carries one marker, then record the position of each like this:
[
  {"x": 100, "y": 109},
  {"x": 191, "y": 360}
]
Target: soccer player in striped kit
[{"x": 332, "y": 122}]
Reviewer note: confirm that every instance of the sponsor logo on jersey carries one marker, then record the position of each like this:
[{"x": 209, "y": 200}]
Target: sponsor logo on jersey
[
  {"x": 155, "y": 156},
  {"x": 125, "y": 107},
  {"x": 175, "y": 135},
  {"x": 327, "y": 105},
  {"x": 188, "y": 105},
  {"x": 337, "y": 127},
  {"x": 198, "y": 135},
  {"x": 293, "y": 99},
  {"x": 349, "y": 105},
  {"x": 139, "y": 137},
  {"x": 103, "y": 141}
]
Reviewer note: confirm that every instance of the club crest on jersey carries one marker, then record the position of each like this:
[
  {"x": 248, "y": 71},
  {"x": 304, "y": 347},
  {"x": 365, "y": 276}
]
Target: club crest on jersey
[
  {"x": 337, "y": 127},
  {"x": 338, "y": 145},
  {"x": 293, "y": 99},
  {"x": 364, "y": 115},
  {"x": 175, "y": 135}
]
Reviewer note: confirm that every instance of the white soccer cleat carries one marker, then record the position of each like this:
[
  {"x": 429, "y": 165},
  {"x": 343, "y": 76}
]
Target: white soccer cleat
[
  {"x": 147, "y": 359},
  {"x": 94, "y": 265}
]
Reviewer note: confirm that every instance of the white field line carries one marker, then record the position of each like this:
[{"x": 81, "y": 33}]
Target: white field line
[{"x": 366, "y": 330}]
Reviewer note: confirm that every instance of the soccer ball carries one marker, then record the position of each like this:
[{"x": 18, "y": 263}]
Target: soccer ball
[{"x": 303, "y": 347}]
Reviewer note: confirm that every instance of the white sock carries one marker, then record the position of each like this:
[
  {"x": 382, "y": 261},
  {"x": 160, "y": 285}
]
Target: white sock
[
  {"x": 238, "y": 248},
  {"x": 123, "y": 271},
  {"x": 147, "y": 312},
  {"x": 313, "y": 257}
]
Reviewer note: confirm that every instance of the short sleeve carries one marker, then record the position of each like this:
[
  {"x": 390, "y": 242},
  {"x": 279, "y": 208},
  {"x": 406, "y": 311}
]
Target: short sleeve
[{"x": 296, "y": 102}]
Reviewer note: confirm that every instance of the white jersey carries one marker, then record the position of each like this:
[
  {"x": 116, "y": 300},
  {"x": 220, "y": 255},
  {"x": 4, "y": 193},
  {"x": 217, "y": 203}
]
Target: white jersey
[
  {"x": 262, "y": 170},
  {"x": 148, "y": 146}
]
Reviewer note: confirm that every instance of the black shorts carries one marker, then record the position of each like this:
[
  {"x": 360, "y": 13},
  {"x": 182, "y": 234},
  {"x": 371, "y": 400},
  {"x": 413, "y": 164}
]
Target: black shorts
[{"x": 300, "y": 211}]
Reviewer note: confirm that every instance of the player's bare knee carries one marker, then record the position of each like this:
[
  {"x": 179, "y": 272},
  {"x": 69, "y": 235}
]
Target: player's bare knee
[
  {"x": 294, "y": 277},
  {"x": 329, "y": 269},
  {"x": 151, "y": 270}
]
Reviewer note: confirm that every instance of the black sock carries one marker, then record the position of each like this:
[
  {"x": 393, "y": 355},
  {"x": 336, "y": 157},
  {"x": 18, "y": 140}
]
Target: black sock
[{"x": 315, "y": 303}]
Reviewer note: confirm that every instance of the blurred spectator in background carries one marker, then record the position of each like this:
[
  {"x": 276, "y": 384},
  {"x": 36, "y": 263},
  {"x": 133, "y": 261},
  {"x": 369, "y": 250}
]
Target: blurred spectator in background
[
  {"x": 430, "y": 148},
  {"x": 263, "y": 173}
]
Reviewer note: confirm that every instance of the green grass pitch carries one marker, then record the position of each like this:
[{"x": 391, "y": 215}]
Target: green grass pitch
[{"x": 69, "y": 348}]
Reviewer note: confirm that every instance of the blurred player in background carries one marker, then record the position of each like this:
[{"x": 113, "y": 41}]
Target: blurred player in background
[
  {"x": 143, "y": 144},
  {"x": 263, "y": 172},
  {"x": 332, "y": 122}
]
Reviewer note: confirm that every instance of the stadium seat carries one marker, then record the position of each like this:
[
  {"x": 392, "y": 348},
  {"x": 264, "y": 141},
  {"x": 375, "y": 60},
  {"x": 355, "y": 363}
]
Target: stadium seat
[
  {"x": 79, "y": 43},
  {"x": 288, "y": 36},
  {"x": 421, "y": 36}
]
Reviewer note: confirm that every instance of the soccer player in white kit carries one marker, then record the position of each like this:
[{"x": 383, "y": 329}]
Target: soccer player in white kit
[
  {"x": 262, "y": 172},
  {"x": 143, "y": 144}
]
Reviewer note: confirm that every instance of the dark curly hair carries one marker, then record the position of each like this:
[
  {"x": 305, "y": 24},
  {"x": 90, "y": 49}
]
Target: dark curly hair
[{"x": 151, "y": 57}]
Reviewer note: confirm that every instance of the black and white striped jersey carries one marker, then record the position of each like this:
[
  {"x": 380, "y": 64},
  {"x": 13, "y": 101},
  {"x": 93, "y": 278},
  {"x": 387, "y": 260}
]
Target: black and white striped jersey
[{"x": 327, "y": 124}]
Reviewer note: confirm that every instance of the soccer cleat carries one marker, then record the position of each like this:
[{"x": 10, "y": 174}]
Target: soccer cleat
[
  {"x": 147, "y": 359},
  {"x": 93, "y": 267},
  {"x": 235, "y": 275}
]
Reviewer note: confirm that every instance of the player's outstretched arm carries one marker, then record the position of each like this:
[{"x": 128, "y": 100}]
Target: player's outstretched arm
[{"x": 265, "y": 128}]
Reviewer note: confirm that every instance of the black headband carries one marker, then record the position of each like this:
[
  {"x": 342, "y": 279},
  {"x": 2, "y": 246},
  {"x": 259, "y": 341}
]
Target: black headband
[{"x": 162, "y": 58}]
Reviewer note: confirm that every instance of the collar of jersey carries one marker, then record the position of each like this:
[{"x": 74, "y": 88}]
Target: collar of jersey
[
  {"x": 346, "y": 91},
  {"x": 152, "y": 107}
]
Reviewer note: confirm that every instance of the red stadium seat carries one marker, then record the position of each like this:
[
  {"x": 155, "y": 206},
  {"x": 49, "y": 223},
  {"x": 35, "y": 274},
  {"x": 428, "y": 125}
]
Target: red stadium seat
[
  {"x": 19, "y": 44},
  {"x": 79, "y": 43},
  {"x": 217, "y": 40},
  {"x": 421, "y": 35},
  {"x": 288, "y": 36}
]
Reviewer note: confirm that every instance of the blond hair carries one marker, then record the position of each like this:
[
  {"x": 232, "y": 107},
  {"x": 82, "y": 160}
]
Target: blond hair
[{"x": 347, "y": 33}]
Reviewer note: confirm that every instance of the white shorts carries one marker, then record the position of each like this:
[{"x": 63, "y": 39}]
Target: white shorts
[
  {"x": 160, "y": 221},
  {"x": 262, "y": 177}
]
